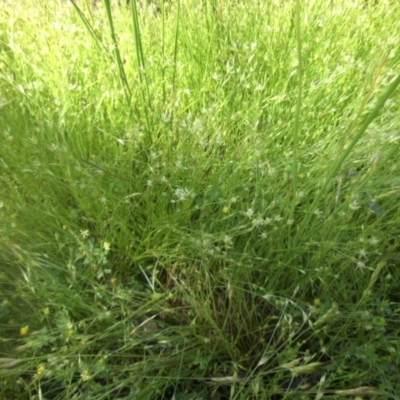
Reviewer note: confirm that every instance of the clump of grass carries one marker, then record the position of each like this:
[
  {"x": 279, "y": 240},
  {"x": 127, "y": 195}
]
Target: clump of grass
[{"x": 199, "y": 200}]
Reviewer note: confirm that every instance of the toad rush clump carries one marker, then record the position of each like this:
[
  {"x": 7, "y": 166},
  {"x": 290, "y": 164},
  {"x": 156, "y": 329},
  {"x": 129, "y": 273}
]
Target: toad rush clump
[{"x": 199, "y": 200}]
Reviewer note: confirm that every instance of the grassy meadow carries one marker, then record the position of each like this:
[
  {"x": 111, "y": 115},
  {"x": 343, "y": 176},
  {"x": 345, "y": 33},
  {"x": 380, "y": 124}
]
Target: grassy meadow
[{"x": 199, "y": 200}]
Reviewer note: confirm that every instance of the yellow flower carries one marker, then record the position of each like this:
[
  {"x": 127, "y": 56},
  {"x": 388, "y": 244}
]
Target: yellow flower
[
  {"x": 301, "y": 175},
  {"x": 225, "y": 210},
  {"x": 24, "y": 330},
  {"x": 317, "y": 301},
  {"x": 46, "y": 311},
  {"x": 106, "y": 246},
  {"x": 40, "y": 369}
]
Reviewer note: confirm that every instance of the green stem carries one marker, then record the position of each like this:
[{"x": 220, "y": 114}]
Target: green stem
[{"x": 339, "y": 161}]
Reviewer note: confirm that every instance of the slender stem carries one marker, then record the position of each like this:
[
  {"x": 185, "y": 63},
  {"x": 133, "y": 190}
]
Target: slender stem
[
  {"x": 340, "y": 160},
  {"x": 297, "y": 122}
]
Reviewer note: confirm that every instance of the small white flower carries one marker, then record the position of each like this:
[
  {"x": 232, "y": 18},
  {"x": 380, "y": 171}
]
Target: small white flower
[
  {"x": 362, "y": 253},
  {"x": 249, "y": 213},
  {"x": 258, "y": 221},
  {"x": 149, "y": 182},
  {"x": 354, "y": 205},
  {"x": 366, "y": 314},
  {"x": 206, "y": 242},
  {"x": 277, "y": 218},
  {"x": 85, "y": 233},
  {"x": 263, "y": 235},
  {"x": 318, "y": 212},
  {"x": 233, "y": 200},
  {"x": 289, "y": 222},
  {"x": 166, "y": 117},
  {"x": 374, "y": 240},
  {"x": 85, "y": 375},
  {"x": 183, "y": 194},
  {"x": 361, "y": 265},
  {"x": 267, "y": 221},
  {"x": 227, "y": 241}
]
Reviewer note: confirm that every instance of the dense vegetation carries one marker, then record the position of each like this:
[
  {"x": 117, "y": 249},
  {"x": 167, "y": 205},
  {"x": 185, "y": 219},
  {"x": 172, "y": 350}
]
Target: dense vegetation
[{"x": 199, "y": 200}]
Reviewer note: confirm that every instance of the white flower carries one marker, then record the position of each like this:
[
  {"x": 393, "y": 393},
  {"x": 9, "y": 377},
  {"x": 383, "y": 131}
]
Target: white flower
[
  {"x": 178, "y": 164},
  {"x": 318, "y": 212},
  {"x": 362, "y": 253},
  {"x": 374, "y": 240},
  {"x": 227, "y": 241},
  {"x": 361, "y": 265},
  {"x": 183, "y": 194},
  {"x": 258, "y": 221},
  {"x": 166, "y": 117},
  {"x": 249, "y": 213},
  {"x": 354, "y": 205},
  {"x": 84, "y": 233}
]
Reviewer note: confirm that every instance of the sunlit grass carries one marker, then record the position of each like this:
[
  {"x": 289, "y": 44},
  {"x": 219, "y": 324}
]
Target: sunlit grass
[{"x": 199, "y": 200}]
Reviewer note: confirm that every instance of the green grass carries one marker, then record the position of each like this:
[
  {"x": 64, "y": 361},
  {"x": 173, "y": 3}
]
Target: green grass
[{"x": 199, "y": 200}]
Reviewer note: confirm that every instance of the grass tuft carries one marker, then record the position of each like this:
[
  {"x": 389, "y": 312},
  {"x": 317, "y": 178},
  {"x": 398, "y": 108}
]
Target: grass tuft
[{"x": 199, "y": 200}]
